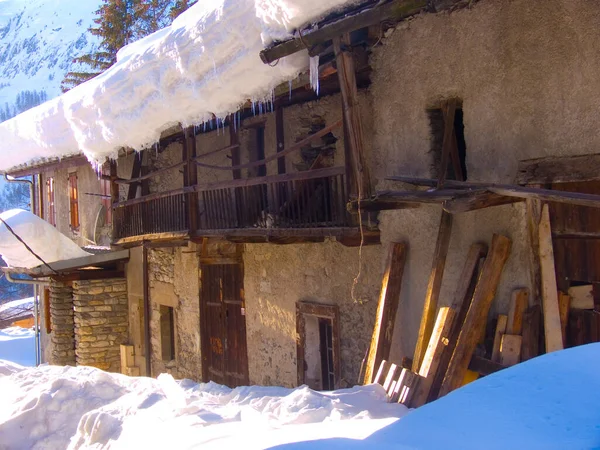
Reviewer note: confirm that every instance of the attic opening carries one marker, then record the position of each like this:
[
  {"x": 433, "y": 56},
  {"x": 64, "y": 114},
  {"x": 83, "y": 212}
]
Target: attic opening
[{"x": 437, "y": 126}]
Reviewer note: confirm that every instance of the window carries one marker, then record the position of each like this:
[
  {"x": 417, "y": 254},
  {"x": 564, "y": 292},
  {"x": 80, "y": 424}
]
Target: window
[
  {"x": 50, "y": 198},
  {"x": 459, "y": 146},
  {"x": 73, "y": 202},
  {"x": 167, "y": 333},
  {"x": 105, "y": 186}
]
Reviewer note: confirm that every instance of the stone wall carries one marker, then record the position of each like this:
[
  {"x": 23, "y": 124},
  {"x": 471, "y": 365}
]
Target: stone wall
[
  {"x": 101, "y": 322},
  {"x": 61, "y": 317}
]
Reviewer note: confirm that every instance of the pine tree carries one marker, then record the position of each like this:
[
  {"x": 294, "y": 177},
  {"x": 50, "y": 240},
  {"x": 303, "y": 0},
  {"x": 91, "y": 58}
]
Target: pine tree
[
  {"x": 153, "y": 15},
  {"x": 180, "y": 6}
]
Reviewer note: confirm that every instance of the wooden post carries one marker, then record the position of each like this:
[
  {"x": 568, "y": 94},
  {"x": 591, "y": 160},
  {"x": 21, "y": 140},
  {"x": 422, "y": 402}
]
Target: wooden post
[
  {"x": 564, "y": 303},
  {"x": 190, "y": 176},
  {"x": 531, "y": 333},
  {"x": 500, "y": 331},
  {"x": 114, "y": 196},
  {"x": 433, "y": 355},
  {"x": 136, "y": 171},
  {"x": 519, "y": 303},
  {"x": 280, "y": 138},
  {"x": 534, "y": 213},
  {"x": 477, "y": 314},
  {"x": 234, "y": 140},
  {"x": 510, "y": 349},
  {"x": 351, "y": 113},
  {"x": 552, "y": 327},
  {"x": 433, "y": 289},
  {"x": 387, "y": 308}
]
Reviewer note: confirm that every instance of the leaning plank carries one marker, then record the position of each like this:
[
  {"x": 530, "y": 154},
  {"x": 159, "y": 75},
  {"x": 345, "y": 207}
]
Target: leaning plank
[
  {"x": 531, "y": 333},
  {"x": 433, "y": 289},
  {"x": 432, "y": 359},
  {"x": 519, "y": 303},
  {"x": 552, "y": 328},
  {"x": 477, "y": 314},
  {"x": 500, "y": 330},
  {"x": 390, "y": 376},
  {"x": 477, "y": 200},
  {"x": 510, "y": 349},
  {"x": 387, "y": 309},
  {"x": 381, "y": 371},
  {"x": 582, "y": 297},
  {"x": 407, "y": 382},
  {"x": 564, "y": 302}
]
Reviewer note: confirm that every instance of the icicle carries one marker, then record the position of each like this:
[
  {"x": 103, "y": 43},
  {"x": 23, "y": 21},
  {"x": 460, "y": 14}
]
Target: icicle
[{"x": 314, "y": 73}]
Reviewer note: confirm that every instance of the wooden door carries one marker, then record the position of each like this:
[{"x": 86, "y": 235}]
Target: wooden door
[{"x": 223, "y": 325}]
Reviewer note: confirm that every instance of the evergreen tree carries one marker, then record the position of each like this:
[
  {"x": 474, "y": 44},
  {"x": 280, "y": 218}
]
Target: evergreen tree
[{"x": 180, "y": 6}]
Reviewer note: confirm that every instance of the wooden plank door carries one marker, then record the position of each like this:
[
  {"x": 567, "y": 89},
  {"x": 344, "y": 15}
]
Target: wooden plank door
[{"x": 223, "y": 325}]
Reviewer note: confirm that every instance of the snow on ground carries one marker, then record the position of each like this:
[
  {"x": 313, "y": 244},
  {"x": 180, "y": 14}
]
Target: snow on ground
[
  {"x": 15, "y": 308},
  {"x": 18, "y": 346},
  {"x": 44, "y": 239},
  {"x": 207, "y": 62}
]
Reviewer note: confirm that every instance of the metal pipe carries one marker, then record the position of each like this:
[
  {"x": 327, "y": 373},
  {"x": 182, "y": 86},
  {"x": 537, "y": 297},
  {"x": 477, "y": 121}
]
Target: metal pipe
[
  {"x": 146, "y": 284},
  {"x": 12, "y": 179}
]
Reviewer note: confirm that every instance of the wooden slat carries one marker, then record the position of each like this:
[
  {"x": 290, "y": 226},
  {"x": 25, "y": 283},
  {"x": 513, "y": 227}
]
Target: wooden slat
[
  {"x": 135, "y": 173},
  {"x": 433, "y": 289},
  {"x": 408, "y": 380},
  {"x": 582, "y": 297},
  {"x": 476, "y": 201},
  {"x": 383, "y": 368},
  {"x": 519, "y": 303},
  {"x": 552, "y": 327},
  {"x": 431, "y": 361},
  {"x": 531, "y": 333},
  {"x": 510, "y": 349},
  {"x": 477, "y": 314},
  {"x": 564, "y": 303},
  {"x": 391, "y": 374},
  {"x": 387, "y": 308},
  {"x": 500, "y": 330}
]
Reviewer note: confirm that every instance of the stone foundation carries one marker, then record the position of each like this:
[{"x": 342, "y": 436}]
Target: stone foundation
[
  {"x": 101, "y": 322},
  {"x": 61, "y": 317}
]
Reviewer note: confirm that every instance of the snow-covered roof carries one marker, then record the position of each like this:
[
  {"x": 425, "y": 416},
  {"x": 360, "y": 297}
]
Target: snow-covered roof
[{"x": 206, "y": 63}]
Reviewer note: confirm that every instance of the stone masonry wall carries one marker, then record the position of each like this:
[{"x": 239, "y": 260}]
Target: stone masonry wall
[
  {"x": 101, "y": 322},
  {"x": 61, "y": 317}
]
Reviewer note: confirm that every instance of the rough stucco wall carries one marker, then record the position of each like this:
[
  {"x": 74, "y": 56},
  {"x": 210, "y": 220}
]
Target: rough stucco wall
[
  {"x": 527, "y": 75},
  {"x": 276, "y": 277}
]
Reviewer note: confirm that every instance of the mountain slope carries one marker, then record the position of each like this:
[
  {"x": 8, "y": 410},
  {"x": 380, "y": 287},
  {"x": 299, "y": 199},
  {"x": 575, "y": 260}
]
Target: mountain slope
[{"x": 38, "y": 41}]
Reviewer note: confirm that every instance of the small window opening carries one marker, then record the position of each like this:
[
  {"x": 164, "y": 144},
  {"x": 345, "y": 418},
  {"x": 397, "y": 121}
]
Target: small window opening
[
  {"x": 167, "y": 333},
  {"x": 50, "y": 198},
  {"x": 105, "y": 186},
  {"x": 436, "y": 124},
  {"x": 326, "y": 344},
  {"x": 73, "y": 202}
]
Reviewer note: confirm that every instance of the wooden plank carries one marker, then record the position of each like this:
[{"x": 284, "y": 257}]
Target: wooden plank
[
  {"x": 519, "y": 303},
  {"x": 558, "y": 169},
  {"x": 234, "y": 142},
  {"x": 484, "y": 366},
  {"x": 391, "y": 374},
  {"x": 354, "y": 140},
  {"x": 408, "y": 382},
  {"x": 552, "y": 327},
  {"x": 477, "y": 201},
  {"x": 460, "y": 304},
  {"x": 431, "y": 361},
  {"x": 531, "y": 333},
  {"x": 127, "y": 356},
  {"x": 582, "y": 297},
  {"x": 433, "y": 289},
  {"x": 548, "y": 195},
  {"x": 387, "y": 308},
  {"x": 280, "y": 138},
  {"x": 564, "y": 302},
  {"x": 534, "y": 214},
  {"x": 500, "y": 330},
  {"x": 477, "y": 314},
  {"x": 383, "y": 368},
  {"x": 510, "y": 349}
]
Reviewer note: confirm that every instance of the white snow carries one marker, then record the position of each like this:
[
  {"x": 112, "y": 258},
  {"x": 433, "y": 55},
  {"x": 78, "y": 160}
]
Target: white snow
[
  {"x": 206, "y": 63},
  {"x": 15, "y": 308},
  {"x": 18, "y": 346},
  {"x": 42, "y": 238}
]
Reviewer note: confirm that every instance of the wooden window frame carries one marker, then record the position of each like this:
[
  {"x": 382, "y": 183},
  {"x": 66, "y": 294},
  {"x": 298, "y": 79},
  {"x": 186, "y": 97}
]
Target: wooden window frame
[
  {"x": 106, "y": 197},
  {"x": 51, "y": 199},
  {"x": 167, "y": 315},
  {"x": 74, "y": 222},
  {"x": 331, "y": 312}
]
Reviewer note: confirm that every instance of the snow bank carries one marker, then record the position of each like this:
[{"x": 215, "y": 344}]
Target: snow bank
[
  {"x": 43, "y": 238},
  {"x": 16, "y": 308},
  {"x": 18, "y": 346},
  {"x": 207, "y": 62},
  {"x": 75, "y": 408}
]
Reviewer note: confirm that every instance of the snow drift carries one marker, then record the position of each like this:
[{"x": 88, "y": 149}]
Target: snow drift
[
  {"x": 43, "y": 238},
  {"x": 206, "y": 63}
]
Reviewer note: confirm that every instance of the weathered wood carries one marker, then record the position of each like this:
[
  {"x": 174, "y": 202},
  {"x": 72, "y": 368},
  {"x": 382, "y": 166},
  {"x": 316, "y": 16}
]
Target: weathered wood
[
  {"x": 383, "y": 367},
  {"x": 433, "y": 289},
  {"x": 407, "y": 382},
  {"x": 548, "y": 195},
  {"x": 564, "y": 302},
  {"x": 390, "y": 12},
  {"x": 391, "y": 374},
  {"x": 58, "y": 164},
  {"x": 432, "y": 359},
  {"x": 234, "y": 143},
  {"x": 127, "y": 356},
  {"x": 500, "y": 330},
  {"x": 156, "y": 196},
  {"x": 460, "y": 304},
  {"x": 477, "y": 314},
  {"x": 280, "y": 138},
  {"x": 552, "y": 327},
  {"x": 354, "y": 140},
  {"x": 531, "y": 333},
  {"x": 510, "y": 349},
  {"x": 484, "y": 366},
  {"x": 534, "y": 214},
  {"x": 582, "y": 297},
  {"x": 136, "y": 170},
  {"x": 559, "y": 169},
  {"x": 389, "y": 297},
  {"x": 190, "y": 177},
  {"x": 476, "y": 201},
  {"x": 449, "y": 110},
  {"x": 519, "y": 303}
]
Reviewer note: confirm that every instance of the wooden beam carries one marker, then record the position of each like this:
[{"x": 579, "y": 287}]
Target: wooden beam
[
  {"x": 60, "y": 163},
  {"x": 136, "y": 170},
  {"x": 476, "y": 201},
  {"x": 559, "y": 169},
  {"x": 531, "y": 333},
  {"x": 354, "y": 140},
  {"x": 564, "y": 303},
  {"x": 387, "y": 308},
  {"x": 433, "y": 289},
  {"x": 582, "y": 297},
  {"x": 477, "y": 314},
  {"x": 390, "y": 12},
  {"x": 234, "y": 143},
  {"x": 433, "y": 355},
  {"x": 500, "y": 330},
  {"x": 534, "y": 214},
  {"x": 510, "y": 349},
  {"x": 519, "y": 303},
  {"x": 190, "y": 177},
  {"x": 280, "y": 138},
  {"x": 552, "y": 327}
]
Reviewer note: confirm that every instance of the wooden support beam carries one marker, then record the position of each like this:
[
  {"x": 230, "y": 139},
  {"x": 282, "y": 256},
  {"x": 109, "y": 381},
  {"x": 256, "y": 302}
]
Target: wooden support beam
[
  {"x": 353, "y": 129},
  {"x": 564, "y": 303},
  {"x": 534, "y": 215},
  {"x": 552, "y": 327},
  {"x": 531, "y": 333},
  {"x": 476, "y": 201},
  {"x": 280, "y": 138},
  {"x": 114, "y": 194},
  {"x": 477, "y": 314},
  {"x": 559, "y": 169},
  {"x": 234, "y": 143},
  {"x": 500, "y": 330},
  {"x": 433, "y": 289},
  {"x": 433, "y": 356},
  {"x": 519, "y": 303},
  {"x": 136, "y": 170},
  {"x": 387, "y": 308},
  {"x": 190, "y": 177}
]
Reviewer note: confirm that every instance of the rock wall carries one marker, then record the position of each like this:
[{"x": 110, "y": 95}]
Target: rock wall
[
  {"x": 101, "y": 322},
  {"x": 61, "y": 318}
]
